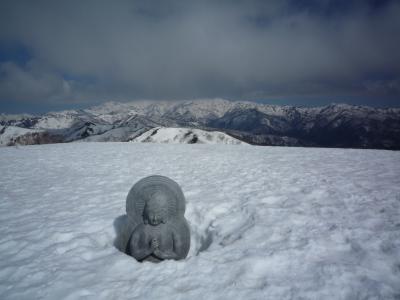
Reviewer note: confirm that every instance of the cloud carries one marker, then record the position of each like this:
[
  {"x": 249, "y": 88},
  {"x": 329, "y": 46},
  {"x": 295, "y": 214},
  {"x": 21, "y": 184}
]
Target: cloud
[
  {"x": 174, "y": 49},
  {"x": 30, "y": 82}
]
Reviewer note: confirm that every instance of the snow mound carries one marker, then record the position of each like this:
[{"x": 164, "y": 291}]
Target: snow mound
[
  {"x": 185, "y": 136},
  {"x": 266, "y": 222}
]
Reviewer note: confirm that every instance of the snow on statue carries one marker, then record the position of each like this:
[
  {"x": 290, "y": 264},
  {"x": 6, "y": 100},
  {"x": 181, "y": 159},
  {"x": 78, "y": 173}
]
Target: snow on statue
[{"x": 156, "y": 205}]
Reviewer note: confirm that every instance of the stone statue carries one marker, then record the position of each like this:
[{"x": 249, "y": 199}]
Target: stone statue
[{"x": 156, "y": 207}]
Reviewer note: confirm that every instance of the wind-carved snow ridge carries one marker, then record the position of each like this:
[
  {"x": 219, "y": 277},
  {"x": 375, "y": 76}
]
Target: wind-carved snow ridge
[{"x": 266, "y": 222}]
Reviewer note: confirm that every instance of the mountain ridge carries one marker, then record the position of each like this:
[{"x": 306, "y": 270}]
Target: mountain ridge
[{"x": 334, "y": 125}]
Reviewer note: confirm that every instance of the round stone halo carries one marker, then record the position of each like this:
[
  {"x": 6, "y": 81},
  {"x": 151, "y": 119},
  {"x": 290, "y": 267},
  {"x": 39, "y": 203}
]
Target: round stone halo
[{"x": 143, "y": 190}]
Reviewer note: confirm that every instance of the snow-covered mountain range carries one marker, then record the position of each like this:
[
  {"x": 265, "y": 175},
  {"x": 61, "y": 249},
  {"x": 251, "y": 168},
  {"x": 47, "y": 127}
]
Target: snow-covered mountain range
[{"x": 336, "y": 125}]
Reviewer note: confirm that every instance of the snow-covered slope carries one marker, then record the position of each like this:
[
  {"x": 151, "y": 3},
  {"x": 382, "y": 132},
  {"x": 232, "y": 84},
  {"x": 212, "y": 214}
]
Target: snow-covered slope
[
  {"x": 185, "y": 136},
  {"x": 283, "y": 223},
  {"x": 10, "y": 134}
]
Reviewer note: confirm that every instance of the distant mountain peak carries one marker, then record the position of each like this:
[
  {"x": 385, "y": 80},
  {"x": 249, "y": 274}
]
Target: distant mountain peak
[{"x": 169, "y": 135}]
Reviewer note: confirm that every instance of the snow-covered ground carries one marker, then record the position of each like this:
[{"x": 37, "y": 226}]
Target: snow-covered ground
[{"x": 266, "y": 222}]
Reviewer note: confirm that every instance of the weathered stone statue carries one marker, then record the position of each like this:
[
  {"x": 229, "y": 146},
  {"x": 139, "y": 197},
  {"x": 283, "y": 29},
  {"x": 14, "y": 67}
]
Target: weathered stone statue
[{"x": 156, "y": 206}]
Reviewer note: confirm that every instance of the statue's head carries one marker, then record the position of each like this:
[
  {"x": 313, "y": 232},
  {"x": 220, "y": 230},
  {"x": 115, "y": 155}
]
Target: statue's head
[
  {"x": 157, "y": 196},
  {"x": 156, "y": 209}
]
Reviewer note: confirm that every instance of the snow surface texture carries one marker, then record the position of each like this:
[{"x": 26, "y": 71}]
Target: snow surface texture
[
  {"x": 266, "y": 222},
  {"x": 185, "y": 136}
]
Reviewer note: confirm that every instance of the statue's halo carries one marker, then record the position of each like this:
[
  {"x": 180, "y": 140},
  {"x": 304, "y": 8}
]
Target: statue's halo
[{"x": 142, "y": 190}]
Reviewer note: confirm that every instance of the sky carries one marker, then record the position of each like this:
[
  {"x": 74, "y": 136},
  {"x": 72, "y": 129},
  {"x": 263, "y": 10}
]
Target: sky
[{"x": 74, "y": 54}]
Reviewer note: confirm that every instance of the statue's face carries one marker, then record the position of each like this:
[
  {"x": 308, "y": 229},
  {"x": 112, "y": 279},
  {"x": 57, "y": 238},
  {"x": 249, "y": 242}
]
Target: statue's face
[{"x": 155, "y": 211}]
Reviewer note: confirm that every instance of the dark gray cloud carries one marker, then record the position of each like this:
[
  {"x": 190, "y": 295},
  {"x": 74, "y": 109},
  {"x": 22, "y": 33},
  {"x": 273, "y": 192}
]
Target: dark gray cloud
[{"x": 91, "y": 51}]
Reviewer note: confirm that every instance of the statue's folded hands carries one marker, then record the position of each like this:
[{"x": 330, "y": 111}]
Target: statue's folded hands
[{"x": 154, "y": 244}]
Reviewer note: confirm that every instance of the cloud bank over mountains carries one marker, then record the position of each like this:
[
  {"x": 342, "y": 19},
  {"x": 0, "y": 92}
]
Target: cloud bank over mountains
[{"x": 91, "y": 51}]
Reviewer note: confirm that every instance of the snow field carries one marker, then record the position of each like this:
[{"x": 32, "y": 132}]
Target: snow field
[{"x": 266, "y": 222}]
